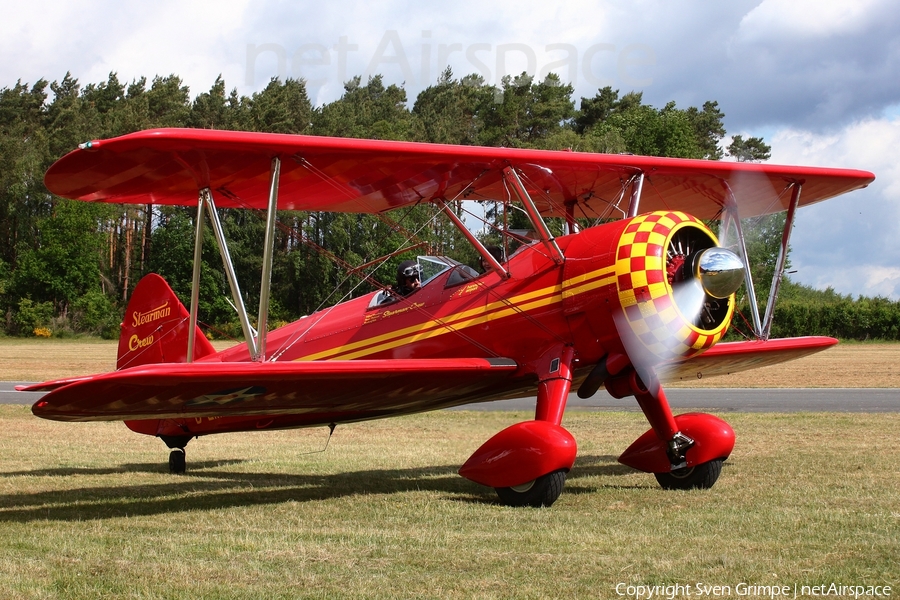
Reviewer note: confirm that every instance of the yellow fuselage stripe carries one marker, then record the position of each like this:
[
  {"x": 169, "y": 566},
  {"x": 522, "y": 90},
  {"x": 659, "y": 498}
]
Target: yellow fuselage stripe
[{"x": 469, "y": 318}]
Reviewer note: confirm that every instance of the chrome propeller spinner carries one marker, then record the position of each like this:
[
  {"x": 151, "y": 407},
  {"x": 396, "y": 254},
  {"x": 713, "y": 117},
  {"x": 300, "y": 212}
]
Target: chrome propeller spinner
[
  {"x": 702, "y": 276},
  {"x": 720, "y": 271}
]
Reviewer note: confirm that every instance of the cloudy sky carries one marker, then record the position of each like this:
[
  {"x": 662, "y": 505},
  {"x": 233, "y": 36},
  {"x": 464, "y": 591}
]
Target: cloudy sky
[{"x": 818, "y": 79}]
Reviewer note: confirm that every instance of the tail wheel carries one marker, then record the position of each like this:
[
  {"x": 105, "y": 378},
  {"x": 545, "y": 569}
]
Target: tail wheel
[
  {"x": 539, "y": 492},
  {"x": 702, "y": 476},
  {"x": 177, "y": 462}
]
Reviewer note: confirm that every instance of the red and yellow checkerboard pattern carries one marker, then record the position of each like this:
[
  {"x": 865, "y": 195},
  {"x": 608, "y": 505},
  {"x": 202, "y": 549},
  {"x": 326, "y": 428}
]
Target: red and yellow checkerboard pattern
[{"x": 644, "y": 291}]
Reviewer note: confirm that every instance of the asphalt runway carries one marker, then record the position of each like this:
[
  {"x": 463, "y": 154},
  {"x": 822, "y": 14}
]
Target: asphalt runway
[
  {"x": 736, "y": 400},
  {"x": 719, "y": 400}
]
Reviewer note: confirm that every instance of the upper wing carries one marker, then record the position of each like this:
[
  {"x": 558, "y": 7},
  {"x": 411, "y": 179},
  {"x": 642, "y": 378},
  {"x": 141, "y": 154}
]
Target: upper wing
[
  {"x": 205, "y": 389},
  {"x": 733, "y": 357},
  {"x": 170, "y": 166}
]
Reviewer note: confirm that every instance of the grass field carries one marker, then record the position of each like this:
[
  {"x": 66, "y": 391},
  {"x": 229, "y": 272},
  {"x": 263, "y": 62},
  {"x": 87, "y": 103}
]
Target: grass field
[{"x": 89, "y": 510}]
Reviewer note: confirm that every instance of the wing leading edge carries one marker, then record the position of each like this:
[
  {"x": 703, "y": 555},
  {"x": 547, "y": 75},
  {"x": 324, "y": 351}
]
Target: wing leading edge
[
  {"x": 170, "y": 166},
  {"x": 206, "y": 389}
]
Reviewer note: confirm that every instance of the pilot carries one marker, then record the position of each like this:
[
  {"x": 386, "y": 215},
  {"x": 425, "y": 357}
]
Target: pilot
[
  {"x": 408, "y": 280},
  {"x": 496, "y": 252}
]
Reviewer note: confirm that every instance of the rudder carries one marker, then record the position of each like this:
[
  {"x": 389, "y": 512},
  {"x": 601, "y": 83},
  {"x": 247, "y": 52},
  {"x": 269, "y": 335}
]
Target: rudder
[{"x": 155, "y": 327}]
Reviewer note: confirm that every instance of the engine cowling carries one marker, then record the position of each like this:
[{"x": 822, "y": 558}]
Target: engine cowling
[
  {"x": 663, "y": 304},
  {"x": 650, "y": 272}
]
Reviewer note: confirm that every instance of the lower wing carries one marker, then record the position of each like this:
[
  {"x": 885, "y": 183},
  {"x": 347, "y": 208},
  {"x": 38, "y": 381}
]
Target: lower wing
[
  {"x": 733, "y": 357},
  {"x": 206, "y": 389}
]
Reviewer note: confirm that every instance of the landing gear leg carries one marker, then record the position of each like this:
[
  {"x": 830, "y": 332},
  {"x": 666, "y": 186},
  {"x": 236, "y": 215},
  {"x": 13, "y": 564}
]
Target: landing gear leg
[
  {"x": 553, "y": 389},
  {"x": 681, "y": 476},
  {"x": 655, "y": 406},
  {"x": 177, "y": 459},
  {"x": 553, "y": 392}
]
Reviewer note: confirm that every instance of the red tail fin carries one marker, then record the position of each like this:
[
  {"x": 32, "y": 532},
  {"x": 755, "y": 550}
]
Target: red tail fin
[{"x": 155, "y": 327}]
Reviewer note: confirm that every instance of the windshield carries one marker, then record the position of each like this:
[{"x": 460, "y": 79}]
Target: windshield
[{"x": 432, "y": 266}]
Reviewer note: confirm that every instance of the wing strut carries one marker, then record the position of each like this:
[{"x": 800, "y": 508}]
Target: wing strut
[
  {"x": 195, "y": 283},
  {"x": 262, "y": 325},
  {"x": 256, "y": 340},
  {"x": 487, "y": 256},
  {"x": 571, "y": 224},
  {"x": 762, "y": 328},
  {"x": 213, "y": 214},
  {"x": 782, "y": 258},
  {"x": 510, "y": 175},
  {"x": 637, "y": 183},
  {"x": 732, "y": 217}
]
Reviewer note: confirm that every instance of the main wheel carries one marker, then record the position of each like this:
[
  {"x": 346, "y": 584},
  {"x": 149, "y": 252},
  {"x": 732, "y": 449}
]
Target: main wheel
[
  {"x": 177, "y": 462},
  {"x": 539, "y": 492},
  {"x": 701, "y": 476}
]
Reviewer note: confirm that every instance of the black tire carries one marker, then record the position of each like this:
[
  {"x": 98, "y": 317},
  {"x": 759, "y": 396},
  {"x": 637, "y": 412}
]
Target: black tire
[
  {"x": 542, "y": 491},
  {"x": 177, "y": 462},
  {"x": 701, "y": 476}
]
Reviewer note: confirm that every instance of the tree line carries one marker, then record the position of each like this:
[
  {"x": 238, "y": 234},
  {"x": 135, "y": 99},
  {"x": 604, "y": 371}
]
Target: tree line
[{"x": 69, "y": 267}]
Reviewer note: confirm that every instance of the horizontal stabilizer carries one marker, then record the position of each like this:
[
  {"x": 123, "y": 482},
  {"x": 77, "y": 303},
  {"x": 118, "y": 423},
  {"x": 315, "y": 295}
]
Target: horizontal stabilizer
[{"x": 49, "y": 386}]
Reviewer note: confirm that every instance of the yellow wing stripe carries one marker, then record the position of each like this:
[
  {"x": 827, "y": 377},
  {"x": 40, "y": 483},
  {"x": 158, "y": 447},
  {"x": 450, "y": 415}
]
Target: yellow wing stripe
[{"x": 469, "y": 318}]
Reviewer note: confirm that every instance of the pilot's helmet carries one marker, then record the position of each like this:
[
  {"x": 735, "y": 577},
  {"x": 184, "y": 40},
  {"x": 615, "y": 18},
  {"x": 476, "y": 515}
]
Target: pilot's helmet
[{"x": 408, "y": 269}]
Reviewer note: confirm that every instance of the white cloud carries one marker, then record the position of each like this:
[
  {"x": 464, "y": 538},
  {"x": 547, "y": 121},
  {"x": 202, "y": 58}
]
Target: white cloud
[
  {"x": 849, "y": 243},
  {"x": 806, "y": 18},
  {"x": 191, "y": 40},
  {"x": 865, "y": 280}
]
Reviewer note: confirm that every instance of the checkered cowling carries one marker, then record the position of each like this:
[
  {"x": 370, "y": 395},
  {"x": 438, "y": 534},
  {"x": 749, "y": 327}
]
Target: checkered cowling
[{"x": 645, "y": 294}]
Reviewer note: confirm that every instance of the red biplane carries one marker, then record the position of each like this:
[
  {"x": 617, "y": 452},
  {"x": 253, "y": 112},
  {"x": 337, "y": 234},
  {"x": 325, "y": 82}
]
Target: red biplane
[{"x": 641, "y": 295}]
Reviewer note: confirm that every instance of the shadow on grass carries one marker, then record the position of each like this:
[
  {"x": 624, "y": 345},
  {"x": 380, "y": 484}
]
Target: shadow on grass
[
  {"x": 207, "y": 486},
  {"x": 200, "y": 490},
  {"x": 598, "y": 466},
  {"x": 126, "y": 468}
]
